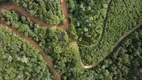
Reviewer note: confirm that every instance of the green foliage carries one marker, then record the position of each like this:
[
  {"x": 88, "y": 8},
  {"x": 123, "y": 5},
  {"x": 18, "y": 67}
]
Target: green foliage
[
  {"x": 24, "y": 25},
  {"x": 111, "y": 27},
  {"x": 61, "y": 49},
  {"x": 3, "y": 1},
  {"x": 92, "y": 22},
  {"x": 19, "y": 60},
  {"x": 122, "y": 64},
  {"x": 88, "y": 18},
  {"x": 46, "y": 10},
  {"x": 55, "y": 43},
  {"x": 72, "y": 32}
]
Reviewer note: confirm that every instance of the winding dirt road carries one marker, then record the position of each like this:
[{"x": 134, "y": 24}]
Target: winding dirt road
[
  {"x": 12, "y": 6},
  {"x": 113, "y": 47},
  {"x": 36, "y": 45}
]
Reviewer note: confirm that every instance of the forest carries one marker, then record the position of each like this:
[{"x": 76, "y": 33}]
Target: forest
[{"x": 103, "y": 41}]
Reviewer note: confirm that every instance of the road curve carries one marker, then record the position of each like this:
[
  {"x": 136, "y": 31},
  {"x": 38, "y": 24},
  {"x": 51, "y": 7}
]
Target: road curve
[
  {"x": 12, "y": 6},
  {"x": 36, "y": 45},
  {"x": 113, "y": 47}
]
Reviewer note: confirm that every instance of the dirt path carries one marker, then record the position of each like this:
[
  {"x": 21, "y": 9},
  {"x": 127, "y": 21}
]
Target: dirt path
[
  {"x": 66, "y": 25},
  {"x": 113, "y": 47},
  {"x": 64, "y": 9},
  {"x": 12, "y": 6},
  {"x": 36, "y": 45}
]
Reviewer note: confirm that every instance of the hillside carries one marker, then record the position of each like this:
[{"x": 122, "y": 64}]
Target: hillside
[{"x": 71, "y": 40}]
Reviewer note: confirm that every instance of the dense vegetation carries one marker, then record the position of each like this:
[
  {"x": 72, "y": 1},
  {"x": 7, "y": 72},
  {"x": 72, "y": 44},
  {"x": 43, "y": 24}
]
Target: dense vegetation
[
  {"x": 95, "y": 24},
  {"x": 115, "y": 23},
  {"x": 55, "y": 43},
  {"x": 47, "y": 10},
  {"x": 124, "y": 63},
  {"x": 20, "y": 60},
  {"x": 3, "y": 1}
]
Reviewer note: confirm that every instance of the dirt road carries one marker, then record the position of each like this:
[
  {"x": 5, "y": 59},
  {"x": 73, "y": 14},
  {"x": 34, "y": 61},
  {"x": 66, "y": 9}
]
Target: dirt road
[
  {"x": 113, "y": 47},
  {"x": 36, "y": 45},
  {"x": 64, "y": 9},
  {"x": 12, "y": 6}
]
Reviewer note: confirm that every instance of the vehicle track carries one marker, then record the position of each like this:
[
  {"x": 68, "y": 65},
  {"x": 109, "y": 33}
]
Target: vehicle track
[
  {"x": 64, "y": 9},
  {"x": 113, "y": 47},
  {"x": 65, "y": 26},
  {"x": 36, "y": 45},
  {"x": 12, "y": 6}
]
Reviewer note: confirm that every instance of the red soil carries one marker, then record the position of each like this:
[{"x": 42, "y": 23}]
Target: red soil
[
  {"x": 12, "y": 6},
  {"x": 66, "y": 25},
  {"x": 64, "y": 8},
  {"x": 36, "y": 45}
]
